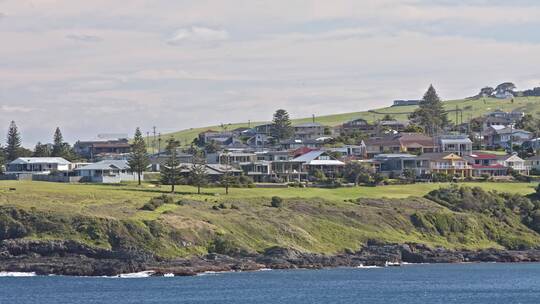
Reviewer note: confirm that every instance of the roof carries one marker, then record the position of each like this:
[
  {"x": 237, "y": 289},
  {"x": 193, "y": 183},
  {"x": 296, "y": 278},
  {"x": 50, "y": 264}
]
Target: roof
[
  {"x": 310, "y": 158},
  {"x": 308, "y": 125},
  {"x": 396, "y": 155},
  {"x": 509, "y": 130},
  {"x": 40, "y": 160},
  {"x": 536, "y": 157},
  {"x": 494, "y": 166},
  {"x": 436, "y": 155},
  {"x": 482, "y": 156},
  {"x": 107, "y": 165},
  {"x": 455, "y": 140}
]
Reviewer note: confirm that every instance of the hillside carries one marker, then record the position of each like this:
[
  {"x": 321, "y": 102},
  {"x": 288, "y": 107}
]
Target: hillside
[
  {"x": 472, "y": 108},
  {"x": 324, "y": 221}
]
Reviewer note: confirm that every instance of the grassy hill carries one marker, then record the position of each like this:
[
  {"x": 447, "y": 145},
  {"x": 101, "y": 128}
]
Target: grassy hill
[
  {"x": 311, "y": 220},
  {"x": 471, "y": 108}
]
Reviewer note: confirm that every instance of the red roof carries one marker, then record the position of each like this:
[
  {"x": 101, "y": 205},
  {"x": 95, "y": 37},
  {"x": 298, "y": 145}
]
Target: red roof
[
  {"x": 483, "y": 156},
  {"x": 301, "y": 151}
]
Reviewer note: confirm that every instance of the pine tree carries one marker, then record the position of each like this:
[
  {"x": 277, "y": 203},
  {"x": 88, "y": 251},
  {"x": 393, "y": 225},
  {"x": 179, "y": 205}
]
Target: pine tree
[
  {"x": 138, "y": 158},
  {"x": 13, "y": 147},
  {"x": 430, "y": 115},
  {"x": 41, "y": 150},
  {"x": 281, "y": 125},
  {"x": 171, "y": 169},
  {"x": 58, "y": 144},
  {"x": 197, "y": 173}
]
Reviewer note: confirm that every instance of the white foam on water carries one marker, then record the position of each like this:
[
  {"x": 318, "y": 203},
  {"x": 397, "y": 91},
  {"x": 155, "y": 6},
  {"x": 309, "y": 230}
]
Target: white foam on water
[
  {"x": 136, "y": 275},
  {"x": 168, "y": 275},
  {"x": 367, "y": 267},
  {"x": 17, "y": 274}
]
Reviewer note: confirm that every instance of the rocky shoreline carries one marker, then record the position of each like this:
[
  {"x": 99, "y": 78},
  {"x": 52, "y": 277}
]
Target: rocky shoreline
[{"x": 76, "y": 259}]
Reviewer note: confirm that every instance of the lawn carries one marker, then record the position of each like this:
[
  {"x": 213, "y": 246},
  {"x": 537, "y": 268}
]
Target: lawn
[{"x": 471, "y": 108}]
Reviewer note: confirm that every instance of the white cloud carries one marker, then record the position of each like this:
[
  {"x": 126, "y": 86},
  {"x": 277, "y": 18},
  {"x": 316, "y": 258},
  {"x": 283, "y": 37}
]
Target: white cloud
[{"x": 198, "y": 35}]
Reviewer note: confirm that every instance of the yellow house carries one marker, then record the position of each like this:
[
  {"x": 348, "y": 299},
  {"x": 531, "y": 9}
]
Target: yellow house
[{"x": 447, "y": 163}]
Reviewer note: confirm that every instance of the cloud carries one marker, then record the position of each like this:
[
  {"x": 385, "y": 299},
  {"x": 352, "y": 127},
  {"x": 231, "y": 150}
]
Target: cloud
[
  {"x": 84, "y": 38},
  {"x": 198, "y": 35}
]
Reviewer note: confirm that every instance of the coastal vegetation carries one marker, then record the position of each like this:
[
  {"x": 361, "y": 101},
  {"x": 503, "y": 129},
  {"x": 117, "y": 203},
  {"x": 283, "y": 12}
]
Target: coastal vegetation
[{"x": 248, "y": 220}]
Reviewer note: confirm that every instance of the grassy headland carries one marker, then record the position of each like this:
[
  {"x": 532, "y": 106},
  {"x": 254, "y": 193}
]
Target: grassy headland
[{"x": 311, "y": 220}]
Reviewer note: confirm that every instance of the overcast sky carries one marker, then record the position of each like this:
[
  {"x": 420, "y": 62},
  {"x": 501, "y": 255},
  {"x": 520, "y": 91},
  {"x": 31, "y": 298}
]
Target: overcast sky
[{"x": 105, "y": 66}]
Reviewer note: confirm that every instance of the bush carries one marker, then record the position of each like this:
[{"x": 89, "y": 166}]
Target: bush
[
  {"x": 277, "y": 202},
  {"x": 157, "y": 202}
]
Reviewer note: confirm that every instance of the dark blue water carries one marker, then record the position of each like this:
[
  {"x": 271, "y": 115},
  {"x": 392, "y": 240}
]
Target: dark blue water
[{"x": 467, "y": 283}]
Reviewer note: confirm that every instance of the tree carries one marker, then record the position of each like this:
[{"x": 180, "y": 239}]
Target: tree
[
  {"x": 356, "y": 173},
  {"x": 413, "y": 128},
  {"x": 13, "y": 147},
  {"x": 281, "y": 125},
  {"x": 431, "y": 115},
  {"x": 42, "y": 150},
  {"x": 171, "y": 169},
  {"x": 138, "y": 158},
  {"x": 388, "y": 117},
  {"x": 58, "y": 144},
  {"x": 505, "y": 87},
  {"x": 227, "y": 180},
  {"x": 197, "y": 173},
  {"x": 486, "y": 92}
]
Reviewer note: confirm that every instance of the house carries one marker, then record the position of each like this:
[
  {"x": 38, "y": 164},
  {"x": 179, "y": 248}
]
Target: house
[
  {"x": 514, "y": 162},
  {"x": 396, "y": 164},
  {"x": 38, "y": 165},
  {"x": 484, "y": 164},
  {"x": 259, "y": 141},
  {"x": 107, "y": 172},
  {"x": 293, "y": 144},
  {"x": 457, "y": 144},
  {"x": 311, "y": 130},
  {"x": 401, "y": 103},
  {"x": 319, "y": 160},
  {"x": 532, "y": 144},
  {"x": 157, "y": 160},
  {"x": 533, "y": 163},
  {"x": 213, "y": 171},
  {"x": 94, "y": 148},
  {"x": 506, "y": 136},
  {"x": 222, "y": 138},
  {"x": 504, "y": 94},
  {"x": 447, "y": 163},
  {"x": 355, "y": 126},
  {"x": 416, "y": 143},
  {"x": 230, "y": 158},
  {"x": 356, "y": 151},
  {"x": 260, "y": 171}
]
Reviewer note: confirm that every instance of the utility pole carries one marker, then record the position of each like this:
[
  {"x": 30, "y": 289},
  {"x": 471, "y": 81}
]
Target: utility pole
[
  {"x": 313, "y": 117},
  {"x": 148, "y": 139},
  {"x": 154, "y": 141},
  {"x": 159, "y": 144}
]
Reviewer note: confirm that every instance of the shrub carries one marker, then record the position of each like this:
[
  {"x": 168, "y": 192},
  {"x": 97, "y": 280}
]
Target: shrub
[
  {"x": 157, "y": 202},
  {"x": 277, "y": 202}
]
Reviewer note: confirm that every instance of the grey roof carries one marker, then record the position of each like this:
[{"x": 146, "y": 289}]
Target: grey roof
[
  {"x": 509, "y": 130},
  {"x": 40, "y": 160},
  {"x": 107, "y": 165},
  {"x": 309, "y": 156},
  {"x": 396, "y": 155},
  {"x": 308, "y": 124}
]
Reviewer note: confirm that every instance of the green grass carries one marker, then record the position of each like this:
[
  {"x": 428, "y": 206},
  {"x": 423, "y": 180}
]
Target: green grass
[
  {"x": 472, "y": 108},
  {"x": 312, "y": 219}
]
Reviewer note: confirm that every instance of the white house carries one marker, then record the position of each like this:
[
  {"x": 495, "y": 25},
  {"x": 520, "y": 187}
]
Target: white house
[
  {"x": 107, "y": 171},
  {"x": 38, "y": 165},
  {"x": 514, "y": 162}
]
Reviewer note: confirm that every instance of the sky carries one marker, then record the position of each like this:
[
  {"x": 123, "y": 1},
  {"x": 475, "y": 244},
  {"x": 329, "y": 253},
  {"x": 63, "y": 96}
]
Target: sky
[{"x": 105, "y": 66}]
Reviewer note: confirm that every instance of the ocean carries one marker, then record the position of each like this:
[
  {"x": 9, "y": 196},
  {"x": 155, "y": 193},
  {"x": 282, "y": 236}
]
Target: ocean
[{"x": 438, "y": 283}]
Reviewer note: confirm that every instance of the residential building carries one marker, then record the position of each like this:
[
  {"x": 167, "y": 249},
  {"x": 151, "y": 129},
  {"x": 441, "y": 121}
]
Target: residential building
[
  {"x": 107, "y": 172},
  {"x": 319, "y": 160},
  {"x": 415, "y": 143},
  {"x": 260, "y": 171},
  {"x": 293, "y": 144},
  {"x": 222, "y": 138},
  {"x": 533, "y": 163},
  {"x": 159, "y": 159},
  {"x": 310, "y": 130},
  {"x": 390, "y": 126},
  {"x": 95, "y": 148},
  {"x": 447, "y": 163},
  {"x": 514, "y": 162},
  {"x": 396, "y": 164},
  {"x": 213, "y": 171},
  {"x": 498, "y": 136},
  {"x": 231, "y": 158},
  {"x": 38, "y": 165},
  {"x": 457, "y": 144},
  {"x": 484, "y": 164},
  {"x": 401, "y": 103},
  {"x": 355, "y": 126}
]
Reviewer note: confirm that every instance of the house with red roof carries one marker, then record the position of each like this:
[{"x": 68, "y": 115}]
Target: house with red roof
[{"x": 484, "y": 164}]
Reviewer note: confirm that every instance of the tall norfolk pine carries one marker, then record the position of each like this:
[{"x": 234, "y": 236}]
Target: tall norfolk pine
[
  {"x": 13, "y": 145},
  {"x": 281, "y": 125},
  {"x": 430, "y": 115},
  {"x": 138, "y": 158},
  {"x": 171, "y": 169}
]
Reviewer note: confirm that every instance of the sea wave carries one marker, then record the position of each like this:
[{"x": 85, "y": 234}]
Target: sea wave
[
  {"x": 17, "y": 274},
  {"x": 368, "y": 267},
  {"x": 136, "y": 275}
]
